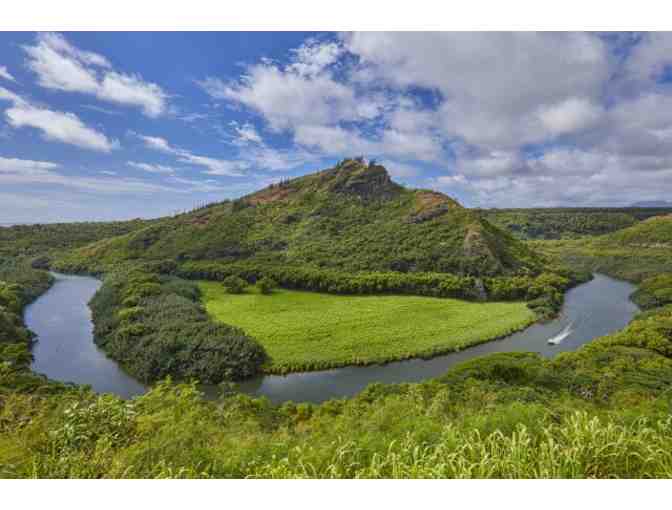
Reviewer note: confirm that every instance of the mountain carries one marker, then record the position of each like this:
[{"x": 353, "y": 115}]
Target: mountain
[
  {"x": 351, "y": 217},
  {"x": 653, "y": 203}
]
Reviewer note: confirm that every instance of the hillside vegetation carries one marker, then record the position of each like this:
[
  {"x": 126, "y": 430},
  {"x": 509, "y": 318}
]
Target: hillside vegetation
[
  {"x": 351, "y": 218},
  {"x": 635, "y": 253},
  {"x": 41, "y": 241},
  {"x": 569, "y": 223}
]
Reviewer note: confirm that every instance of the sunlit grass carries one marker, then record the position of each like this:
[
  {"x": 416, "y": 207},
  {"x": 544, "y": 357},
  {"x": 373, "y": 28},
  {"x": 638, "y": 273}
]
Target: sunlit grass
[{"x": 309, "y": 330}]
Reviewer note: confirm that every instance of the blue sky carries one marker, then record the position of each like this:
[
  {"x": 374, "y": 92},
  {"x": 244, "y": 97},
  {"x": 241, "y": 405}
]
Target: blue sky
[{"x": 118, "y": 125}]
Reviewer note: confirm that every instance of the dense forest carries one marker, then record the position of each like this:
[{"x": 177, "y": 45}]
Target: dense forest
[{"x": 601, "y": 411}]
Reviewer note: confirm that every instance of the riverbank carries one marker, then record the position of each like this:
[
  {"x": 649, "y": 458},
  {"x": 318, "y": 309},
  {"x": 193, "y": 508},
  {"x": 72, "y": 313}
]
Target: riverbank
[{"x": 593, "y": 309}]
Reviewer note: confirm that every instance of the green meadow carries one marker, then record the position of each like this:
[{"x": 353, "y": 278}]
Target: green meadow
[{"x": 312, "y": 331}]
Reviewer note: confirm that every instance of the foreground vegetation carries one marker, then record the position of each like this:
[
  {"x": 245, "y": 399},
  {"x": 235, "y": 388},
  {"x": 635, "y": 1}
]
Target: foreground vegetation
[{"x": 311, "y": 331}]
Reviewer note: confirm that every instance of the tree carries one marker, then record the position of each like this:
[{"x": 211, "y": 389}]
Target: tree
[
  {"x": 234, "y": 285},
  {"x": 266, "y": 285}
]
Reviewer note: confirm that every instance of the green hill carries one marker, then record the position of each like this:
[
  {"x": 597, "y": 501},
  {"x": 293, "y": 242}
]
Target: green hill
[
  {"x": 569, "y": 222},
  {"x": 635, "y": 253},
  {"x": 352, "y": 217},
  {"x": 655, "y": 232}
]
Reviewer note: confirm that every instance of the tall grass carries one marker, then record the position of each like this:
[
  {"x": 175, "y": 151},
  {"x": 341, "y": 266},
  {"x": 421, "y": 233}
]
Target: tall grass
[{"x": 582, "y": 447}]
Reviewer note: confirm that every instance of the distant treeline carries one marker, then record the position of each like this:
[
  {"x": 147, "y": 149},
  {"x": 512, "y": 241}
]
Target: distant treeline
[
  {"x": 544, "y": 292},
  {"x": 42, "y": 239},
  {"x": 568, "y": 223}
]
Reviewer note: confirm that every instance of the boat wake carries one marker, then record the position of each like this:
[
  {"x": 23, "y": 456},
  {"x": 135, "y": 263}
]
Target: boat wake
[{"x": 568, "y": 330}]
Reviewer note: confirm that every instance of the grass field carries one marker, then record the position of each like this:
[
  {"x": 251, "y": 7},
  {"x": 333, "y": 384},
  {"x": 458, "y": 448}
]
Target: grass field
[{"x": 313, "y": 331}]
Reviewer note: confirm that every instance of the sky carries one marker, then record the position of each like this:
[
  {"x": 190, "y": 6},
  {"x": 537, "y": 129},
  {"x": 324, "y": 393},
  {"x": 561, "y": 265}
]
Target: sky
[{"x": 113, "y": 125}]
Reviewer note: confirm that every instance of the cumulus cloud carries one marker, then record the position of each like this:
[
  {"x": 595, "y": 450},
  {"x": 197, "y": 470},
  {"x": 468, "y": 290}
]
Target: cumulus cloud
[
  {"x": 5, "y": 74},
  {"x": 569, "y": 115},
  {"x": 61, "y": 66},
  {"x": 493, "y": 84},
  {"x": 55, "y": 125},
  {"x": 286, "y": 99}
]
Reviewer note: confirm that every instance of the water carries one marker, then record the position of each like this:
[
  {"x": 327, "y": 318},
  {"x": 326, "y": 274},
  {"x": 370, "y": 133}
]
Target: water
[{"x": 66, "y": 350}]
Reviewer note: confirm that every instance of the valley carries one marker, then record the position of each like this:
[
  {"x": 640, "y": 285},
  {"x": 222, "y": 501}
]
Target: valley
[{"x": 365, "y": 271}]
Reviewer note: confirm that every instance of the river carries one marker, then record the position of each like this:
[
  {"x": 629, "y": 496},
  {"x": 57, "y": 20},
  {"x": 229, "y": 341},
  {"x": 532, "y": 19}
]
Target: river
[{"x": 65, "y": 350}]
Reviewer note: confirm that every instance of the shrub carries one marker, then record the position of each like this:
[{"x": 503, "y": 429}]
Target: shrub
[
  {"x": 266, "y": 285},
  {"x": 234, "y": 284},
  {"x": 162, "y": 330}
]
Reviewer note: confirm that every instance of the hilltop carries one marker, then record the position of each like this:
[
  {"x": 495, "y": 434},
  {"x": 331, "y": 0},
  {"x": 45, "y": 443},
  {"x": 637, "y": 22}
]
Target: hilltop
[{"x": 351, "y": 217}]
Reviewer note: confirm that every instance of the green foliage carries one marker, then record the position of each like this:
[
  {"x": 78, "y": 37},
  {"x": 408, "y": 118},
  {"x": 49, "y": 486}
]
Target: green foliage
[
  {"x": 313, "y": 331},
  {"x": 26, "y": 241},
  {"x": 155, "y": 327},
  {"x": 350, "y": 218},
  {"x": 19, "y": 285},
  {"x": 266, "y": 284},
  {"x": 568, "y": 223},
  {"x": 602, "y": 411},
  {"x": 635, "y": 253},
  {"x": 654, "y": 292},
  {"x": 234, "y": 284}
]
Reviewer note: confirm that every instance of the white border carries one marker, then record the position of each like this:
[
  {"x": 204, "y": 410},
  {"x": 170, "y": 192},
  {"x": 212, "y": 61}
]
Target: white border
[
  {"x": 337, "y": 495},
  {"x": 334, "y": 15}
]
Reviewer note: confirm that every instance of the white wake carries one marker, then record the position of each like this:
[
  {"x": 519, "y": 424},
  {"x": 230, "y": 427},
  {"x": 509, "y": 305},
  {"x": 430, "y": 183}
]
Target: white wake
[{"x": 568, "y": 330}]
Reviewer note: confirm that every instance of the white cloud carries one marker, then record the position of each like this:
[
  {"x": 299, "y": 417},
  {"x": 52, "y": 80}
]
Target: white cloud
[
  {"x": 61, "y": 66},
  {"x": 214, "y": 166},
  {"x": 59, "y": 126},
  {"x": 313, "y": 57},
  {"x": 286, "y": 99},
  {"x": 151, "y": 168},
  {"x": 5, "y": 74},
  {"x": 132, "y": 90},
  {"x": 158, "y": 143},
  {"x": 246, "y": 134},
  {"x": 25, "y": 166},
  {"x": 570, "y": 115},
  {"x": 19, "y": 171},
  {"x": 10, "y": 96},
  {"x": 492, "y": 83},
  {"x": 400, "y": 170},
  {"x": 56, "y": 126}
]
